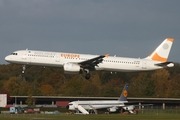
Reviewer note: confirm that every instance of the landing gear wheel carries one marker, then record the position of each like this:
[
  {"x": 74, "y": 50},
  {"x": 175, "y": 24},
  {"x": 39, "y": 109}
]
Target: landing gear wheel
[
  {"x": 23, "y": 68},
  {"x": 87, "y": 76}
]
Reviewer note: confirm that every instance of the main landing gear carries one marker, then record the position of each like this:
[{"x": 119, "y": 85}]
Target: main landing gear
[{"x": 88, "y": 75}]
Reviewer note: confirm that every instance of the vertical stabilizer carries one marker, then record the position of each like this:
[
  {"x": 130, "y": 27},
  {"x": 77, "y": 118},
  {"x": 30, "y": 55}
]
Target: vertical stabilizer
[
  {"x": 124, "y": 93},
  {"x": 161, "y": 53}
]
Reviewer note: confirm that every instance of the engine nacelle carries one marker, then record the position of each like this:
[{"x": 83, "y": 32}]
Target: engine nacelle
[
  {"x": 131, "y": 107},
  {"x": 112, "y": 109},
  {"x": 71, "y": 68}
]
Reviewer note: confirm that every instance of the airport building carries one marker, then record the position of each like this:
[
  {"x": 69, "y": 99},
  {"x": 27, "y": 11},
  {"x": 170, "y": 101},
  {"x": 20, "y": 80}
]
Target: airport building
[{"x": 62, "y": 101}]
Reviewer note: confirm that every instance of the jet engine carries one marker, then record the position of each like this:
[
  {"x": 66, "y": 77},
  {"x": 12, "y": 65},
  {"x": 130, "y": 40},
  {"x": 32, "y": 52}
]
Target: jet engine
[
  {"x": 71, "y": 68},
  {"x": 129, "y": 108},
  {"x": 113, "y": 109}
]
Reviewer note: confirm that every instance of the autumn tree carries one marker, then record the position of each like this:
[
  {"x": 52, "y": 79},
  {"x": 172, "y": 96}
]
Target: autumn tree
[
  {"x": 52, "y": 81},
  {"x": 36, "y": 88},
  {"x": 141, "y": 86},
  {"x": 112, "y": 88},
  {"x": 174, "y": 86},
  {"x": 89, "y": 89},
  {"x": 161, "y": 82},
  {"x": 12, "y": 85},
  {"x": 30, "y": 100},
  {"x": 56, "y": 80},
  {"x": 74, "y": 86},
  {"x": 24, "y": 87},
  {"x": 47, "y": 89}
]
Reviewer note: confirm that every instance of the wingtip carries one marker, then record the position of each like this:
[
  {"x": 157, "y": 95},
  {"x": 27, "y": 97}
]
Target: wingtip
[{"x": 106, "y": 55}]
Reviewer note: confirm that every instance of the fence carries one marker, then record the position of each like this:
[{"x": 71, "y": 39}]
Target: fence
[{"x": 159, "y": 110}]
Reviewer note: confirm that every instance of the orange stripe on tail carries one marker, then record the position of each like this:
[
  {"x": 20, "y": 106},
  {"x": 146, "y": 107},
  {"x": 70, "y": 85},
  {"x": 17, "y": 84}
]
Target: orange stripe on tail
[
  {"x": 158, "y": 58},
  {"x": 170, "y": 39}
]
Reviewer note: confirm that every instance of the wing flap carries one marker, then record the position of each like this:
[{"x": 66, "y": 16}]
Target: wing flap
[{"x": 91, "y": 63}]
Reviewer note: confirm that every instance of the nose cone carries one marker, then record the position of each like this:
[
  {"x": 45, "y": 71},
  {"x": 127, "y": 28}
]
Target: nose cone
[
  {"x": 7, "y": 58},
  {"x": 67, "y": 107}
]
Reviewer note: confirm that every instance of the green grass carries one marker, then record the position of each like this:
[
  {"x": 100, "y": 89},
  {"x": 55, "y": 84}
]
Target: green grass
[{"x": 63, "y": 116}]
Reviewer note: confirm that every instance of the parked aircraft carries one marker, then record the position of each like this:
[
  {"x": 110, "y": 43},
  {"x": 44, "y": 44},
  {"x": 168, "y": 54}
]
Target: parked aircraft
[
  {"x": 85, "y": 107},
  {"x": 75, "y": 63}
]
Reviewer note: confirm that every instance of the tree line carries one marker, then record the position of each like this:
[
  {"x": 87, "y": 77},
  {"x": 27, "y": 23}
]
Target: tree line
[{"x": 53, "y": 82}]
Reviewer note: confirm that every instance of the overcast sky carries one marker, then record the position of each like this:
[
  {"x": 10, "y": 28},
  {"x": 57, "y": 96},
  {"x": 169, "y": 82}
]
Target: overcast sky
[{"x": 126, "y": 28}]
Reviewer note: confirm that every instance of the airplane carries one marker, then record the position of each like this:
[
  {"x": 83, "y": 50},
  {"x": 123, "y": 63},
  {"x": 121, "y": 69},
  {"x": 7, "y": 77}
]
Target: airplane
[
  {"x": 87, "y": 107},
  {"x": 75, "y": 63}
]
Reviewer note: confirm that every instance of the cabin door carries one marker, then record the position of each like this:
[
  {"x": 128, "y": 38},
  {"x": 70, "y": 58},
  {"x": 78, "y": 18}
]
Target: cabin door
[
  {"x": 57, "y": 57},
  {"x": 24, "y": 54}
]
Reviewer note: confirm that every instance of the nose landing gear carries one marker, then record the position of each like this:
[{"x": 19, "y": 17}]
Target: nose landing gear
[{"x": 23, "y": 68}]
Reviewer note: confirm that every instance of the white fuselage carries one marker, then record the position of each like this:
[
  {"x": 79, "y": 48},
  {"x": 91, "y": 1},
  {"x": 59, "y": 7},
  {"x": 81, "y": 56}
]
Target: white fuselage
[
  {"x": 88, "y": 105},
  {"x": 58, "y": 59}
]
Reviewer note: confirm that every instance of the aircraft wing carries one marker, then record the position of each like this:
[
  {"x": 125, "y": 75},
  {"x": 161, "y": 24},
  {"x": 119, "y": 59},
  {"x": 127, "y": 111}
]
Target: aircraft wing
[{"x": 91, "y": 63}]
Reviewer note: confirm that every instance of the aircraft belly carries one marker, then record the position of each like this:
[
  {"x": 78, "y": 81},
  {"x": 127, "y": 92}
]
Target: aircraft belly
[
  {"x": 121, "y": 67},
  {"x": 46, "y": 63},
  {"x": 96, "y": 106}
]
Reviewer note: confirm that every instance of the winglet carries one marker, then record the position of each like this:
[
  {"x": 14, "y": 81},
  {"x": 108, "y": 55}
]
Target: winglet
[
  {"x": 161, "y": 53},
  {"x": 106, "y": 55},
  {"x": 124, "y": 93}
]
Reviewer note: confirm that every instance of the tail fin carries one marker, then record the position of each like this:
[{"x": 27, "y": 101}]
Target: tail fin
[
  {"x": 124, "y": 93},
  {"x": 161, "y": 53}
]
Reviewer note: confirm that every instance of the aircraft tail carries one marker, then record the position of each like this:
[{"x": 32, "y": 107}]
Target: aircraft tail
[
  {"x": 161, "y": 53},
  {"x": 124, "y": 93}
]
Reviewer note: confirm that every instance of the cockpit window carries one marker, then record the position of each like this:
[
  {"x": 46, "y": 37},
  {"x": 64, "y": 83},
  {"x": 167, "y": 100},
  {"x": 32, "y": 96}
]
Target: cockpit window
[{"x": 13, "y": 53}]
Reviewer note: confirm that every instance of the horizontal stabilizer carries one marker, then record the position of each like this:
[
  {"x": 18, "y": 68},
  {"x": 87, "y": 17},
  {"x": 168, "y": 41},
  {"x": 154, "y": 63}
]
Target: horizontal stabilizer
[{"x": 165, "y": 64}]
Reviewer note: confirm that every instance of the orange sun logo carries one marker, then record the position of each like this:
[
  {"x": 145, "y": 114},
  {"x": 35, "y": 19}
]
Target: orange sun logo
[{"x": 125, "y": 93}]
